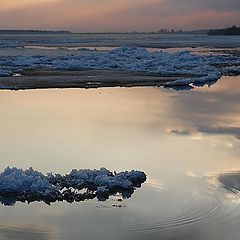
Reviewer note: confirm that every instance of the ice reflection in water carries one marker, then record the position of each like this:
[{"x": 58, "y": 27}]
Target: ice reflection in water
[{"x": 178, "y": 138}]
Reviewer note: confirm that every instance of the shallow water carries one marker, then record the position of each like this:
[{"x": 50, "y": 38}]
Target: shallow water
[{"x": 181, "y": 139}]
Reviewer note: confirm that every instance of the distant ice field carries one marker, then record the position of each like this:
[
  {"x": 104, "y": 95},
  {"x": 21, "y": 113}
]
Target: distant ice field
[
  {"x": 117, "y": 40},
  {"x": 205, "y": 58}
]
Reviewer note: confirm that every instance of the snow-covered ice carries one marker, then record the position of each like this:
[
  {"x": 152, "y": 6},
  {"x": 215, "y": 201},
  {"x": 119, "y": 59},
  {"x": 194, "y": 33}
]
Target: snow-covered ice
[
  {"x": 198, "y": 69},
  {"x": 29, "y": 185},
  {"x": 5, "y": 73},
  {"x": 18, "y": 181},
  {"x": 117, "y": 40},
  {"x": 99, "y": 178}
]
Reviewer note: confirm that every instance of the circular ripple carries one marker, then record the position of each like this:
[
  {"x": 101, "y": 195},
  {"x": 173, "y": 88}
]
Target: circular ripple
[{"x": 201, "y": 206}]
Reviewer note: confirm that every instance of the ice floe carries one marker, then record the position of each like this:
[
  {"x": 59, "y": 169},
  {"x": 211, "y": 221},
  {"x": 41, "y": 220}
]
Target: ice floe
[
  {"x": 195, "y": 69},
  {"x": 30, "y": 185}
]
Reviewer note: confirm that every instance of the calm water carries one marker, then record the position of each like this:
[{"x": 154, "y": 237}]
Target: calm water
[{"x": 182, "y": 140}]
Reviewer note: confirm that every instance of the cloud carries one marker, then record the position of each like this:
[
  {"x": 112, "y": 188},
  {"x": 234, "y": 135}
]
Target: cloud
[
  {"x": 100, "y": 15},
  {"x": 223, "y": 5},
  {"x": 15, "y": 4}
]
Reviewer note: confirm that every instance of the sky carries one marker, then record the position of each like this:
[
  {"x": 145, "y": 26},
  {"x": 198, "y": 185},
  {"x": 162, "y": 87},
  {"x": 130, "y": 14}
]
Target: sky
[{"x": 118, "y": 15}]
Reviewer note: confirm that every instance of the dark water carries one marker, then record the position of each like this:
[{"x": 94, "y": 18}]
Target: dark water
[{"x": 182, "y": 140}]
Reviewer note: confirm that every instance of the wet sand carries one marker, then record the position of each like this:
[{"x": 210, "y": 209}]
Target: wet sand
[{"x": 43, "y": 79}]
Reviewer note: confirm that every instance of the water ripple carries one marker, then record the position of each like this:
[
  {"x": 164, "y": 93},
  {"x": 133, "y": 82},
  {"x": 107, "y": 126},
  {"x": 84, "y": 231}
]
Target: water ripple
[{"x": 201, "y": 207}]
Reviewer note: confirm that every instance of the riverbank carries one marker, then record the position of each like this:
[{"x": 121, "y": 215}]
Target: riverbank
[{"x": 43, "y": 79}]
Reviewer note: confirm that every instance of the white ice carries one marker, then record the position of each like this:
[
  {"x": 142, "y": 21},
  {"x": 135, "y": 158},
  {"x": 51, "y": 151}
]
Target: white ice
[
  {"x": 198, "y": 69},
  {"x": 19, "y": 182}
]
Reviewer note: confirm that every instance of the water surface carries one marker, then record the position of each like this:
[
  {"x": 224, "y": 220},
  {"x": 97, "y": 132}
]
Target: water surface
[{"x": 182, "y": 139}]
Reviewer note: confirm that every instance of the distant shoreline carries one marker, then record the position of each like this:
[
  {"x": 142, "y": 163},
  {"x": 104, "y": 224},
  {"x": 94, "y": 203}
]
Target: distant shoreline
[
  {"x": 120, "y": 33},
  {"x": 230, "y": 31}
]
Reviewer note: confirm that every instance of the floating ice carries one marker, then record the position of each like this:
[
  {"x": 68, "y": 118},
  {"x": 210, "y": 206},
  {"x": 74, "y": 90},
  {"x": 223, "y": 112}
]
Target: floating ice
[
  {"x": 29, "y": 185},
  {"x": 101, "y": 178},
  {"x": 18, "y": 183},
  {"x": 198, "y": 69}
]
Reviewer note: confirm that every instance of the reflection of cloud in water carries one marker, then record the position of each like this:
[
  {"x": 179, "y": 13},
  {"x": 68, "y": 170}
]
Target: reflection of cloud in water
[
  {"x": 233, "y": 131},
  {"x": 214, "y": 111},
  {"x": 183, "y": 132},
  {"x": 230, "y": 181}
]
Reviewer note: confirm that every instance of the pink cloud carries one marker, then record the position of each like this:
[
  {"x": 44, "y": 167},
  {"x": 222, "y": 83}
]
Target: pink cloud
[{"x": 112, "y": 15}]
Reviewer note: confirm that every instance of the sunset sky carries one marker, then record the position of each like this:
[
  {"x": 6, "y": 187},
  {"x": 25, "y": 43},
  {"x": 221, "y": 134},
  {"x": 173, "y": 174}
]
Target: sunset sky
[{"x": 117, "y": 15}]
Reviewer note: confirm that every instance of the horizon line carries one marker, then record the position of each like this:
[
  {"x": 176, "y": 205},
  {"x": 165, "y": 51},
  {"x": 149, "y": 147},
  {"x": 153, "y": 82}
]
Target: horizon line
[{"x": 127, "y": 31}]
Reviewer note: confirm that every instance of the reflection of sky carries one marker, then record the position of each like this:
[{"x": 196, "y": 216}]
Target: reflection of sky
[
  {"x": 27, "y": 232},
  {"x": 54, "y": 130},
  {"x": 175, "y": 137},
  {"x": 213, "y": 111}
]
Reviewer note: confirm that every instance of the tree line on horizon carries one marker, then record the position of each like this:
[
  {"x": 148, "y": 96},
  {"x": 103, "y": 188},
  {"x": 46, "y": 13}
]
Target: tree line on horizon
[{"x": 231, "y": 30}]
